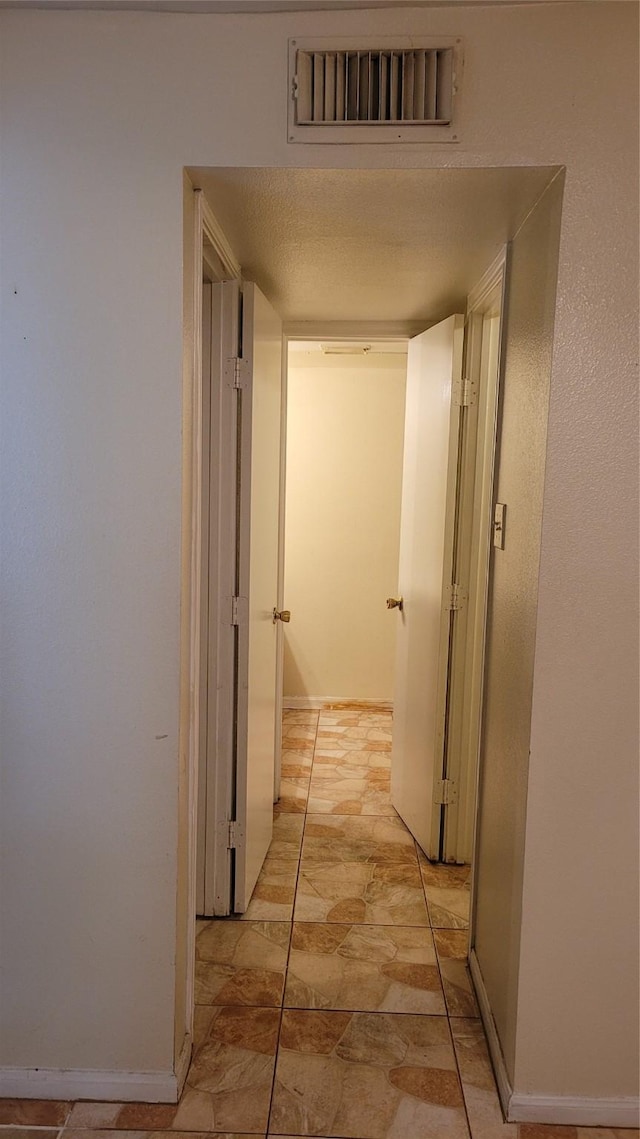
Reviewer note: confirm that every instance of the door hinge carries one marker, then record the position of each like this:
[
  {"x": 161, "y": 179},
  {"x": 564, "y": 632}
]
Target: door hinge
[
  {"x": 446, "y": 792},
  {"x": 239, "y": 373},
  {"x": 465, "y": 392},
  {"x": 239, "y": 610},
  {"x": 457, "y": 597},
  {"x": 235, "y": 834}
]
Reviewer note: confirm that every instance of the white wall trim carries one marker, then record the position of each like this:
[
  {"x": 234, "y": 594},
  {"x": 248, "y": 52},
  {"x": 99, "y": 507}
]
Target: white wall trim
[
  {"x": 505, "y": 1090},
  {"x": 211, "y": 229},
  {"x": 313, "y": 702},
  {"x": 581, "y": 1111},
  {"x": 71, "y": 1083},
  {"x": 492, "y": 276}
]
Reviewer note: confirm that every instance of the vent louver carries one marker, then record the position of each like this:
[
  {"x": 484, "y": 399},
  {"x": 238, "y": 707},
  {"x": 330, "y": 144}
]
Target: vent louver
[{"x": 373, "y": 92}]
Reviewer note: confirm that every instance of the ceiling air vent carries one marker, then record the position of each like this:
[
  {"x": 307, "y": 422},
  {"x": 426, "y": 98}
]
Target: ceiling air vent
[{"x": 373, "y": 91}]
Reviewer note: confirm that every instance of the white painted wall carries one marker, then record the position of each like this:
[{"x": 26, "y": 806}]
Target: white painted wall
[
  {"x": 511, "y": 611},
  {"x": 100, "y": 112},
  {"x": 345, "y": 426}
]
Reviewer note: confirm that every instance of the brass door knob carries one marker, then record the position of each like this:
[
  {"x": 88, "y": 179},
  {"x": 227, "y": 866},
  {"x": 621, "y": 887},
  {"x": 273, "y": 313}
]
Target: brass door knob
[
  {"x": 394, "y": 603},
  {"x": 281, "y": 615}
]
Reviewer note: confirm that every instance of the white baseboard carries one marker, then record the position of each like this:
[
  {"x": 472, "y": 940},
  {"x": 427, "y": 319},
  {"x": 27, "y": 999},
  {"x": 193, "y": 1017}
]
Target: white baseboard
[
  {"x": 69, "y": 1083},
  {"x": 577, "y": 1111},
  {"x": 505, "y": 1090},
  {"x": 312, "y": 703},
  {"x": 581, "y": 1111}
]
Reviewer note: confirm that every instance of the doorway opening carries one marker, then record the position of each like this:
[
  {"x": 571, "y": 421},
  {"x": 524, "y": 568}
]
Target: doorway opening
[
  {"x": 471, "y": 527},
  {"x": 344, "y": 447}
]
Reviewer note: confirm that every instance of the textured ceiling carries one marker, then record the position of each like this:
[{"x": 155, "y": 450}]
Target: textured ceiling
[{"x": 382, "y": 245}]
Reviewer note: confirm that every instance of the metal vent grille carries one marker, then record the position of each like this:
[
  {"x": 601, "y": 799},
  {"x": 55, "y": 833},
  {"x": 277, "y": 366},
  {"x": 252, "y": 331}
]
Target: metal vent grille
[
  {"x": 374, "y": 90},
  {"x": 386, "y": 86}
]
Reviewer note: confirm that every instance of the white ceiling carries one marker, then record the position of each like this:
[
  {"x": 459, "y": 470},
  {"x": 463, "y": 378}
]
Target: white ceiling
[{"x": 368, "y": 245}]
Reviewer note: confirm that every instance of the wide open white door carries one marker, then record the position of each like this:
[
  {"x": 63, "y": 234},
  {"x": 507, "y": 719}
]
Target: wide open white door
[
  {"x": 431, "y": 444},
  {"x": 260, "y": 380}
]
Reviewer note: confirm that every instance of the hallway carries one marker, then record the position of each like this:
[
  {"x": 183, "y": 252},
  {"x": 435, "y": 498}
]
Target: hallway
[{"x": 339, "y": 1005}]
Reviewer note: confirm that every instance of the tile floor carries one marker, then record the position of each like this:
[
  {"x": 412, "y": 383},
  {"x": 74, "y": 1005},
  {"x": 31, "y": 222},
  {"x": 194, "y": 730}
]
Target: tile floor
[{"x": 339, "y": 1005}]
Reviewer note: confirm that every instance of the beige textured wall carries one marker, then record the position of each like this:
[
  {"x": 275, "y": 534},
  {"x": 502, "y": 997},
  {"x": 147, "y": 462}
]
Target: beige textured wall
[
  {"x": 345, "y": 425},
  {"x": 100, "y": 113},
  {"x": 511, "y": 616}
]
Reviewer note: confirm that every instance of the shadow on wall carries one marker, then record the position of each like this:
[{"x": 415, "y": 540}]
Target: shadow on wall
[{"x": 294, "y": 682}]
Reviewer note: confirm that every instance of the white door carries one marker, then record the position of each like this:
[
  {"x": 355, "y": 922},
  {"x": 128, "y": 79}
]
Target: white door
[
  {"x": 431, "y": 444},
  {"x": 260, "y": 377}
]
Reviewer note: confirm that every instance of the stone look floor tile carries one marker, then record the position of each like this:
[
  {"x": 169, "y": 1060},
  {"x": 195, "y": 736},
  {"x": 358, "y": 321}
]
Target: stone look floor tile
[
  {"x": 361, "y": 893},
  {"x": 272, "y": 898},
  {"x": 286, "y": 842},
  {"x": 96, "y": 1120},
  {"x": 478, "y": 1084},
  {"x": 452, "y": 949},
  {"x": 106, "y": 1133},
  {"x": 298, "y": 737},
  {"x": 356, "y": 716},
  {"x": 12, "y": 1132},
  {"x": 335, "y": 756},
  {"x": 96, "y": 1115},
  {"x": 294, "y": 793},
  {"x": 367, "y": 1075},
  {"x": 363, "y": 968},
  {"x": 555, "y": 1131},
  {"x": 448, "y": 894},
  {"x": 230, "y": 1079},
  {"x": 354, "y": 728},
  {"x": 300, "y": 716},
  {"x": 353, "y": 739},
  {"x": 34, "y": 1112},
  {"x": 296, "y": 764},
  {"x": 351, "y": 789},
  {"x": 112, "y": 1134},
  {"x": 203, "y": 1015},
  {"x": 241, "y": 963},
  {"x": 346, "y": 839}
]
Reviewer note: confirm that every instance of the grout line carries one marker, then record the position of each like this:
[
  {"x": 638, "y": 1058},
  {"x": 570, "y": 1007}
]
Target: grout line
[
  {"x": 464, "y": 1098},
  {"x": 293, "y": 908},
  {"x": 375, "y": 1012}
]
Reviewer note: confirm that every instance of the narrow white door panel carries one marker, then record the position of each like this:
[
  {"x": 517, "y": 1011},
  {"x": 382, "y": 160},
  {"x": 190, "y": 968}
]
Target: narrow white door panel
[
  {"x": 259, "y": 494},
  {"x": 220, "y": 671},
  {"x": 434, "y": 370}
]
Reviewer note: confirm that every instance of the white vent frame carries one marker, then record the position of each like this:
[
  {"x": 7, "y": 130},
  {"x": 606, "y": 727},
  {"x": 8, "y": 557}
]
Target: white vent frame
[{"x": 367, "y": 131}]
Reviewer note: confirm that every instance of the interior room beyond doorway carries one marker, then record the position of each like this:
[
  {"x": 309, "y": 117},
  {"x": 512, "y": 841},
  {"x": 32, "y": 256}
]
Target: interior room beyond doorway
[
  {"x": 411, "y": 268},
  {"x": 345, "y": 426}
]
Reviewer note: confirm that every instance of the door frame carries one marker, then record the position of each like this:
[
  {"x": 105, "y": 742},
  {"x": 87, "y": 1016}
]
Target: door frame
[
  {"x": 212, "y": 255},
  {"x": 475, "y": 506}
]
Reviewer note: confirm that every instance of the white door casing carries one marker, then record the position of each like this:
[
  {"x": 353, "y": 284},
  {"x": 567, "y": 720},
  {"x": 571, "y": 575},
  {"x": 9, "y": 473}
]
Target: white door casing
[
  {"x": 431, "y": 446},
  {"x": 239, "y": 665},
  {"x": 259, "y": 412},
  {"x": 484, "y": 333},
  {"x": 217, "y": 661}
]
